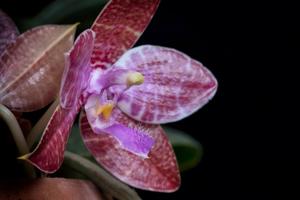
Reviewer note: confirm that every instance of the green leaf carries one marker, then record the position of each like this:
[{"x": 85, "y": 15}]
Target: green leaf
[
  {"x": 76, "y": 145},
  {"x": 66, "y": 11},
  {"x": 188, "y": 151}
]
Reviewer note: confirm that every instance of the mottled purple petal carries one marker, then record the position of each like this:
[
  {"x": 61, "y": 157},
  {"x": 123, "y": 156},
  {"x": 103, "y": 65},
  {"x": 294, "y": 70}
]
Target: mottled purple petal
[
  {"x": 8, "y": 31},
  {"x": 158, "y": 172},
  {"x": 118, "y": 27},
  {"x": 175, "y": 85},
  {"x": 77, "y": 69}
]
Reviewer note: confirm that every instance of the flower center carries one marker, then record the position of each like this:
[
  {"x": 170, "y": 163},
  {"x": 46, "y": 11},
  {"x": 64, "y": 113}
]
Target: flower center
[
  {"x": 108, "y": 86},
  {"x": 105, "y": 110}
]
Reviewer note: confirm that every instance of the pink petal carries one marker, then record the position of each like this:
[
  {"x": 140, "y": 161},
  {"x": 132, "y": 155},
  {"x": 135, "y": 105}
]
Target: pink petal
[
  {"x": 159, "y": 172},
  {"x": 175, "y": 85},
  {"x": 118, "y": 27},
  {"x": 77, "y": 69},
  {"x": 8, "y": 31},
  {"x": 48, "y": 155}
]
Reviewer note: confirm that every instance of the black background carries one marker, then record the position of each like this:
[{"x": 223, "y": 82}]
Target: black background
[{"x": 248, "y": 130}]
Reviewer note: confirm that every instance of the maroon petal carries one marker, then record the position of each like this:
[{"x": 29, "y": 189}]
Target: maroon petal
[
  {"x": 118, "y": 27},
  {"x": 77, "y": 69},
  {"x": 48, "y": 155},
  {"x": 174, "y": 87},
  {"x": 159, "y": 172},
  {"x": 8, "y": 31}
]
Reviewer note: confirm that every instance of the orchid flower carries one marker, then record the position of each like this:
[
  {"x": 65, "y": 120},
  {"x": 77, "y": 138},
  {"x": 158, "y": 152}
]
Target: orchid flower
[{"x": 125, "y": 94}]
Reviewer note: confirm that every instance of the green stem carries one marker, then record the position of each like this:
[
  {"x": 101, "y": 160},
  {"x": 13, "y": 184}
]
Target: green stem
[
  {"x": 100, "y": 177},
  {"x": 41, "y": 124},
  {"x": 106, "y": 196},
  {"x": 17, "y": 135}
]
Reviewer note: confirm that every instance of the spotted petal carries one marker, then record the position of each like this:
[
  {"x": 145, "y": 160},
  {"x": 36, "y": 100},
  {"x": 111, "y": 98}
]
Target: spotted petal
[
  {"x": 8, "y": 31},
  {"x": 118, "y": 27},
  {"x": 158, "y": 172},
  {"x": 175, "y": 85},
  {"x": 77, "y": 69}
]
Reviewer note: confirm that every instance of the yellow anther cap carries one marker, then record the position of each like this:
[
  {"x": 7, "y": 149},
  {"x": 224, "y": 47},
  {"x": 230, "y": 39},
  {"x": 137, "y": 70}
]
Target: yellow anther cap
[
  {"x": 135, "y": 78},
  {"x": 105, "y": 110}
]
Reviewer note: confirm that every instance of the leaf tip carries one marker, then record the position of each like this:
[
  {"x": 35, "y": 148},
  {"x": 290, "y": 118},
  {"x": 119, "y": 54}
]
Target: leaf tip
[
  {"x": 76, "y": 24},
  {"x": 23, "y": 157},
  {"x": 73, "y": 27}
]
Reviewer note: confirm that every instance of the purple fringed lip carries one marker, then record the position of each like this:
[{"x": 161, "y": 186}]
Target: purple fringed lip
[{"x": 130, "y": 139}]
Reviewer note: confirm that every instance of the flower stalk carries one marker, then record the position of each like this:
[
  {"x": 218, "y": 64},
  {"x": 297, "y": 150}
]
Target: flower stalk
[{"x": 17, "y": 135}]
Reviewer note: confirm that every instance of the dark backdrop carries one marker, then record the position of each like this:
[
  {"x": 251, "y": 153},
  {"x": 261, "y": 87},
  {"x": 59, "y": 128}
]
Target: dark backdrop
[{"x": 251, "y": 148}]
